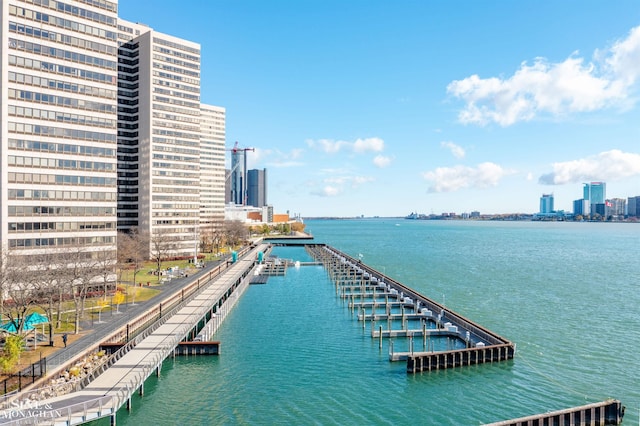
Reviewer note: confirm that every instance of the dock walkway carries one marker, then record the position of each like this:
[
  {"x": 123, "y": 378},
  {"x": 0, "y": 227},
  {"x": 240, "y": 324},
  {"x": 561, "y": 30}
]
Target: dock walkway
[{"x": 110, "y": 391}]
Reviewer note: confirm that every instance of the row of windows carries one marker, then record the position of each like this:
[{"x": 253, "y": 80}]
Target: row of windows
[
  {"x": 194, "y": 202},
  {"x": 182, "y": 190},
  {"x": 173, "y": 117},
  {"x": 128, "y": 93},
  {"x": 61, "y": 148},
  {"x": 175, "y": 93},
  {"x": 43, "y": 98},
  {"x": 35, "y": 64},
  {"x": 158, "y": 82},
  {"x": 172, "y": 125},
  {"x": 176, "y": 45},
  {"x": 82, "y": 43},
  {"x": 28, "y": 243},
  {"x": 173, "y": 134},
  {"x": 66, "y": 55},
  {"x": 60, "y": 132},
  {"x": 175, "y": 142},
  {"x": 102, "y": 4},
  {"x": 60, "y": 226},
  {"x": 170, "y": 157},
  {"x": 60, "y": 211},
  {"x": 194, "y": 58},
  {"x": 59, "y": 163},
  {"x": 194, "y": 81},
  {"x": 61, "y": 117},
  {"x": 65, "y": 86},
  {"x": 162, "y": 148},
  {"x": 178, "y": 62},
  {"x": 173, "y": 206},
  {"x": 75, "y": 11},
  {"x": 62, "y": 23},
  {"x": 174, "y": 173},
  {"x": 174, "y": 101},
  {"x": 176, "y": 70},
  {"x": 16, "y": 177},
  {"x": 169, "y": 108}
]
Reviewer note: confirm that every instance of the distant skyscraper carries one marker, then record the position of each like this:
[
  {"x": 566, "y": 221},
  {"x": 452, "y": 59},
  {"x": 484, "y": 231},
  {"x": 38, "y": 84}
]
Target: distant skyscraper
[
  {"x": 581, "y": 207},
  {"x": 546, "y": 203},
  {"x": 257, "y": 188},
  {"x": 633, "y": 206},
  {"x": 596, "y": 193}
]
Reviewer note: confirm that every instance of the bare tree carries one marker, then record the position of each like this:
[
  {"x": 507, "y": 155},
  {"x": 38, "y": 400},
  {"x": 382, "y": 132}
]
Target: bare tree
[
  {"x": 133, "y": 251},
  {"x": 50, "y": 286},
  {"x": 162, "y": 245},
  {"x": 106, "y": 261},
  {"x": 20, "y": 289},
  {"x": 80, "y": 272},
  {"x": 235, "y": 232}
]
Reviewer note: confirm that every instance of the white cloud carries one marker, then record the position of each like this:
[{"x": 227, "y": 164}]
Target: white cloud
[
  {"x": 359, "y": 146},
  {"x": 555, "y": 89},
  {"x": 456, "y": 150},
  {"x": 327, "y": 145},
  {"x": 369, "y": 144},
  {"x": 449, "y": 179},
  {"x": 274, "y": 158},
  {"x": 609, "y": 165},
  {"x": 328, "y": 191},
  {"x": 381, "y": 161}
]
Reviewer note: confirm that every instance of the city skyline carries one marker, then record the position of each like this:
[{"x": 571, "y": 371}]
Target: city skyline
[{"x": 367, "y": 108}]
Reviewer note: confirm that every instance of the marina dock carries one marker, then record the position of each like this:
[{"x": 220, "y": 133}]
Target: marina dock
[{"x": 375, "y": 296}]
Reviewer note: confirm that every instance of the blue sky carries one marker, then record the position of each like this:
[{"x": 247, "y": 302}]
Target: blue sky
[{"x": 383, "y": 108}]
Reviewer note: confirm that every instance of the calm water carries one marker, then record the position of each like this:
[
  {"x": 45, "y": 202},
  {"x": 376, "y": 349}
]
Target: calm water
[{"x": 566, "y": 293}]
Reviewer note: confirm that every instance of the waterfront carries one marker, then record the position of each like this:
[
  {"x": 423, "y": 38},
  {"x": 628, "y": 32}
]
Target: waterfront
[{"x": 565, "y": 293}]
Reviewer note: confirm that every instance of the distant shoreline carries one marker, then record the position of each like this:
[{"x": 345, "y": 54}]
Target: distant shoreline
[{"x": 521, "y": 217}]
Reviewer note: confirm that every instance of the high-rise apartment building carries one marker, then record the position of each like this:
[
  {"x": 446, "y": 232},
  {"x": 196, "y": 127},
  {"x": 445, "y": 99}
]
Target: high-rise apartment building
[
  {"x": 212, "y": 171},
  {"x": 102, "y": 130},
  {"x": 58, "y": 125},
  {"x": 159, "y": 136},
  {"x": 257, "y": 188}
]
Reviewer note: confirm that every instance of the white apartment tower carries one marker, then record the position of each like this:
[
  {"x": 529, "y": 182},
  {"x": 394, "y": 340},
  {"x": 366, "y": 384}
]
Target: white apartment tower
[
  {"x": 212, "y": 171},
  {"x": 58, "y": 125},
  {"x": 159, "y": 136}
]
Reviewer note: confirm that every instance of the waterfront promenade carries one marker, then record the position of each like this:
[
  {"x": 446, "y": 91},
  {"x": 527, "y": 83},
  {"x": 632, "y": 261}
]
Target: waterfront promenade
[{"x": 111, "y": 390}]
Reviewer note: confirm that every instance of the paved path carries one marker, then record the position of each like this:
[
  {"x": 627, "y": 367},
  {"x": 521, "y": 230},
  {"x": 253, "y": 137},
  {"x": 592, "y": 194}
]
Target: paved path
[{"x": 109, "y": 391}]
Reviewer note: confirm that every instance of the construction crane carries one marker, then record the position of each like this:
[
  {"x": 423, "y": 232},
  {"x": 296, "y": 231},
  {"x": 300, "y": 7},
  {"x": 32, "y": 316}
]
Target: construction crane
[{"x": 236, "y": 150}]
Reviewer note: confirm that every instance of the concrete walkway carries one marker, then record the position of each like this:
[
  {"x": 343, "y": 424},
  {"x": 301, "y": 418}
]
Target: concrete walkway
[{"x": 112, "y": 389}]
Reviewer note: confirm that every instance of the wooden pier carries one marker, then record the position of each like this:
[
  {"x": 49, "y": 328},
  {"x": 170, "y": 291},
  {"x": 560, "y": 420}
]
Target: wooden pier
[
  {"x": 603, "y": 413},
  {"x": 368, "y": 290}
]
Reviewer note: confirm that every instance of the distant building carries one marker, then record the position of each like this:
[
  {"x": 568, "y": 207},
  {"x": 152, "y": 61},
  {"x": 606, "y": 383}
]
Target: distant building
[
  {"x": 633, "y": 206},
  {"x": 475, "y": 214},
  {"x": 237, "y": 193},
  {"x": 546, "y": 203},
  {"x": 595, "y": 193},
  {"x": 581, "y": 207},
  {"x": 257, "y": 188},
  {"x": 614, "y": 208}
]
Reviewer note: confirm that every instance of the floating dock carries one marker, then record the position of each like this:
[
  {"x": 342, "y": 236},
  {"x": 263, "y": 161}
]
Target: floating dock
[{"x": 369, "y": 292}]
